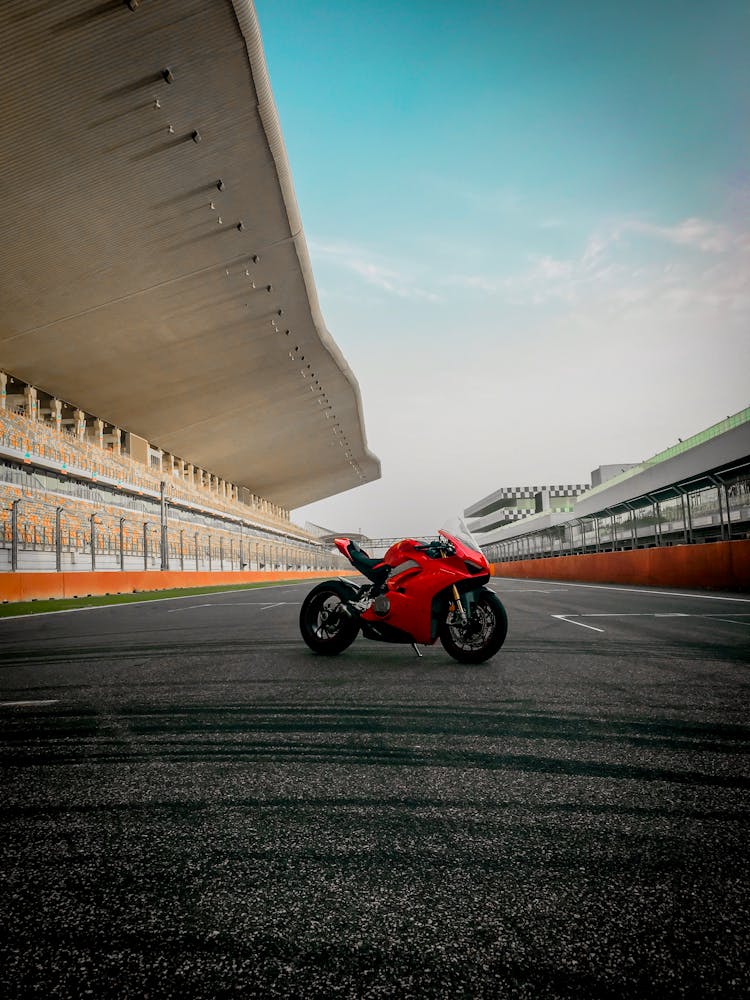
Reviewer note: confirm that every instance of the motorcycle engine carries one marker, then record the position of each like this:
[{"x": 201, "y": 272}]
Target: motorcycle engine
[{"x": 381, "y": 605}]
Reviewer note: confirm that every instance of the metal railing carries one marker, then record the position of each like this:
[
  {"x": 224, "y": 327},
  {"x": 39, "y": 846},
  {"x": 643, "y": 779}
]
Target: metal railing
[
  {"x": 717, "y": 513},
  {"x": 41, "y": 533}
]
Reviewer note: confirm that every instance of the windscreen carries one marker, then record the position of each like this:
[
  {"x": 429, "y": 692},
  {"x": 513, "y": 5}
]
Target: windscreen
[{"x": 456, "y": 527}]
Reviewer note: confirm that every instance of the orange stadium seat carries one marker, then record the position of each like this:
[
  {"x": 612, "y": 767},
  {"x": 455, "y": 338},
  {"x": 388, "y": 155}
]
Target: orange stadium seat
[{"x": 38, "y": 524}]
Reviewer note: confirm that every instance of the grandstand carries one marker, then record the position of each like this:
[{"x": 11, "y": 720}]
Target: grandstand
[
  {"x": 513, "y": 503},
  {"x": 162, "y": 352},
  {"x": 67, "y": 504}
]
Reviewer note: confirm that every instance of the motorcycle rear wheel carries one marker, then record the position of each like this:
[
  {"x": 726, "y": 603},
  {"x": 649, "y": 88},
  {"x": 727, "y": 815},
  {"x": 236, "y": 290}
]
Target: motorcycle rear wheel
[
  {"x": 323, "y": 622},
  {"x": 484, "y": 633}
]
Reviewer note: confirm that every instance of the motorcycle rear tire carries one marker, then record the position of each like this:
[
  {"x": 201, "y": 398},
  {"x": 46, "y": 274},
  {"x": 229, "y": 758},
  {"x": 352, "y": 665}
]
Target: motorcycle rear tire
[
  {"x": 489, "y": 607},
  {"x": 325, "y": 626}
]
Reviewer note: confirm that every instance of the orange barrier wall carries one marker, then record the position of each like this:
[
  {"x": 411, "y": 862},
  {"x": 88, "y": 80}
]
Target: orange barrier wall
[
  {"x": 38, "y": 586},
  {"x": 711, "y": 566}
]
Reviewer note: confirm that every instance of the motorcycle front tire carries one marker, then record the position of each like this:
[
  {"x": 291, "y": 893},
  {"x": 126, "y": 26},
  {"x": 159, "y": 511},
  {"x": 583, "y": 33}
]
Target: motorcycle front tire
[
  {"x": 488, "y": 610},
  {"x": 325, "y": 626}
]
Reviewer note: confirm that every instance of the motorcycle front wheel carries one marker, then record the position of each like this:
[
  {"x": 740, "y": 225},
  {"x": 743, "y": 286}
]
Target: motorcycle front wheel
[
  {"x": 482, "y": 635},
  {"x": 325, "y": 625}
]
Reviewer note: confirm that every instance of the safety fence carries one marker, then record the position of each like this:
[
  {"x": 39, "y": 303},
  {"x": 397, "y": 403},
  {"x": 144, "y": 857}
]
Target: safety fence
[
  {"x": 64, "y": 533},
  {"x": 711, "y": 566},
  {"x": 720, "y": 512},
  {"x": 45, "y": 586}
]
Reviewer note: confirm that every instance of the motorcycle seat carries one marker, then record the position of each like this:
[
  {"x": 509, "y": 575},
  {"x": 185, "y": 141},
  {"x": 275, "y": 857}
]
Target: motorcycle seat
[{"x": 373, "y": 569}]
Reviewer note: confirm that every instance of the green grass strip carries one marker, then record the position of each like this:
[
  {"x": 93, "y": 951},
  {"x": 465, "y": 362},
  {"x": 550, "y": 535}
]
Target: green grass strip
[{"x": 72, "y": 603}]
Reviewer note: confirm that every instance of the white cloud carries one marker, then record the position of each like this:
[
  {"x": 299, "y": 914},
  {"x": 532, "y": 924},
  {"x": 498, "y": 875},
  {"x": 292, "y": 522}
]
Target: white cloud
[
  {"x": 609, "y": 354},
  {"x": 617, "y": 270},
  {"x": 551, "y": 223},
  {"x": 700, "y": 234},
  {"x": 372, "y": 271}
]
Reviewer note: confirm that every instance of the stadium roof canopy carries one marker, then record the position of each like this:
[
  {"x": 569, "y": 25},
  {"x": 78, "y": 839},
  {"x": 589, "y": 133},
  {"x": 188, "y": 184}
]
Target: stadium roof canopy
[{"x": 153, "y": 269}]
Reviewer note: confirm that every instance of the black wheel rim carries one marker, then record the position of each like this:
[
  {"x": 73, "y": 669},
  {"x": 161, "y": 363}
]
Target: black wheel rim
[
  {"x": 477, "y": 632},
  {"x": 326, "y": 618}
]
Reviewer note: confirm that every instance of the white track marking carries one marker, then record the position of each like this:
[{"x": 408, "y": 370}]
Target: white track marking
[
  {"x": 191, "y": 607},
  {"x": 24, "y": 704},
  {"x": 636, "y": 614},
  {"x": 571, "y": 618},
  {"x": 636, "y": 590},
  {"x": 532, "y": 590},
  {"x": 263, "y": 605},
  {"x": 565, "y": 618},
  {"x": 256, "y": 604}
]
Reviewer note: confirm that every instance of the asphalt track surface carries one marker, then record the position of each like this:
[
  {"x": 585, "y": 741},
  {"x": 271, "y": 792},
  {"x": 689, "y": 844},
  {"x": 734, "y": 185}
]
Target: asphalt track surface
[{"x": 195, "y": 805}]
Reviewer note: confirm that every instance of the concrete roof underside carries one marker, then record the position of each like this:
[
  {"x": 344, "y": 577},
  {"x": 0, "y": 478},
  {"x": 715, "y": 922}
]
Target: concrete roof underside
[{"x": 120, "y": 290}]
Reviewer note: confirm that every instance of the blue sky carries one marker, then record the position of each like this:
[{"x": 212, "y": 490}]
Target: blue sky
[{"x": 530, "y": 230}]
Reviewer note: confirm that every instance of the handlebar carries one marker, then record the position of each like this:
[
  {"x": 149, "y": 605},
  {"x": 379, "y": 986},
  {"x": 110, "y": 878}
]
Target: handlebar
[{"x": 435, "y": 549}]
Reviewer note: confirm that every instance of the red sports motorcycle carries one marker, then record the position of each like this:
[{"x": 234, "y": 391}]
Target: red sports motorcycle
[{"x": 417, "y": 593}]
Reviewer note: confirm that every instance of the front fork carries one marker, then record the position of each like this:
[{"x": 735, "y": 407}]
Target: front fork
[{"x": 458, "y": 607}]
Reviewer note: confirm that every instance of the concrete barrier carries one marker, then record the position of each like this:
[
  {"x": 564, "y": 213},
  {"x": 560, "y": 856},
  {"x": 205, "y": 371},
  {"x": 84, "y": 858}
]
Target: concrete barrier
[
  {"x": 709, "y": 566},
  {"x": 41, "y": 586}
]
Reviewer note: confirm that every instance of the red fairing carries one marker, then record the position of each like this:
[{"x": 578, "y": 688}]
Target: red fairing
[
  {"x": 415, "y": 580},
  {"x": 400, "y": 551},
  {"x": 471, "y": 555}
]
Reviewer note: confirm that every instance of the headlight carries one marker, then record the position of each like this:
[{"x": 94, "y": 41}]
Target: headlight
[{"x": 473, "y": 568}]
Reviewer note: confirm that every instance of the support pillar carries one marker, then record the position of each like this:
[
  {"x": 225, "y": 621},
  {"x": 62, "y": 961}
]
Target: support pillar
[
  {"x": 115, "y": 439},
  {"x": 80, "y": 424},
  {"x": 14, "y": 535},
  {"x": 58, "y": 539},
  {"x": 31, "y": 403},
  {"x": 729, "y": 513},
  {"x": 3, "y": 390},
  {"x": 55, "y": 413},
  {"x": 96, "y": 432},
  {"x": 164, "y": 528},
  {"x": 685, "y": 536},
  {"x": 721, "y": 506},
  {"x": 93, "y": 542}
]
